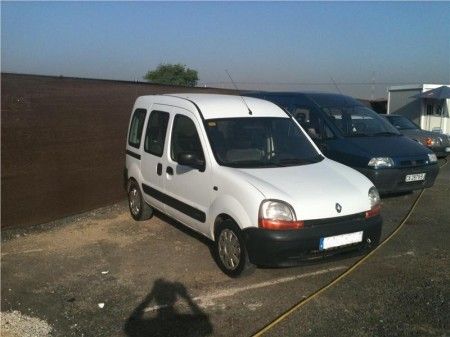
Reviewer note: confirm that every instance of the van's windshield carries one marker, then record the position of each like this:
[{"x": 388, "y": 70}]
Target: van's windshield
[
  {"x": 402, "y": 123},
  {"x": 257, "y": 142},
  {"x": 352, "y": 118}
]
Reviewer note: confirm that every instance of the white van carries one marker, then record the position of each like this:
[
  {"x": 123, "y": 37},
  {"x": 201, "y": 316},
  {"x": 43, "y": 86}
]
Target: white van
[{"x": 243, "y": 173}]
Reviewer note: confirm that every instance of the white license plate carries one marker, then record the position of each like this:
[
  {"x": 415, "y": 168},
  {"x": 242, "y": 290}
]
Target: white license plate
[
  {"x": 415, "y": 177},
  {"x": 447, "y": 149},
  {"x": 340, "y": 240}
]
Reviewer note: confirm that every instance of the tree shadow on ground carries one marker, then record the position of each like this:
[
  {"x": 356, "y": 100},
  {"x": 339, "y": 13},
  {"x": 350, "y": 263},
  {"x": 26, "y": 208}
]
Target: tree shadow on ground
[{"x": 166, "y": 320}]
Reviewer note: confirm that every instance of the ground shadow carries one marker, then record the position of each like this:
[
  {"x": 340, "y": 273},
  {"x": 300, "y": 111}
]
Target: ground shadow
[
  {"x": 181, "y": 227},
  {"x": 174, "y": 223},
  {"x": 395, "y": 194},
  {"x": 166, "y": 320}
]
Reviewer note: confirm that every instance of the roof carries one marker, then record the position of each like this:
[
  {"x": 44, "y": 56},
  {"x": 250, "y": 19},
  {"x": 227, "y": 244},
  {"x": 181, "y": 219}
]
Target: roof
[
  {"x": 296, "y": 93},
  {"x": 291, "y": 93},
  {"x": 229, "y": 106},
  {"x": 415, "y": 87}
]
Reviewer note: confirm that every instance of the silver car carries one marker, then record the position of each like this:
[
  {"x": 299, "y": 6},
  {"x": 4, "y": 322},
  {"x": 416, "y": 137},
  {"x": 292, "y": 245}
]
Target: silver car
[{"x": 437, "y": 142}]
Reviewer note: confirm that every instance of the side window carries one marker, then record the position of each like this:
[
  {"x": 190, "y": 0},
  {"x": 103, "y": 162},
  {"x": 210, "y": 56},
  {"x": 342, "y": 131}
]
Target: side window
[
  {"x": 185, "y": 138},
  {"x": 137, "y": 123},
  {"x": 337, "y": 118},
  {"x": 328, "y": 134},
  {"x": 311, "y": 121},
  {"x": 155, "y": 134}
]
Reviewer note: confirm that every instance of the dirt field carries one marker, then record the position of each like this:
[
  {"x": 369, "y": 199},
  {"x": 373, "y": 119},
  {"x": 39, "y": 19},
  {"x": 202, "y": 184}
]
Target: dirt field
[
  {"x": 63, "y": 143},
  {"x": 102, "y": 274}
]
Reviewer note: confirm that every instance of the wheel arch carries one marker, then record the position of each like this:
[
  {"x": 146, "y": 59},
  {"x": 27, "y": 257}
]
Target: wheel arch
[
  {"x": 228, "y": 208},
  {"x": 133, "y": 172}
]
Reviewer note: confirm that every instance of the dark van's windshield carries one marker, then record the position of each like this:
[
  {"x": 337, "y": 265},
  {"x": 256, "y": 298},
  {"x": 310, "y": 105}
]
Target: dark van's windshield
[
  {"x": 402, "y": 123},
  {"x": 352, "y": 118},
  {"x": 257, "y": 142}
]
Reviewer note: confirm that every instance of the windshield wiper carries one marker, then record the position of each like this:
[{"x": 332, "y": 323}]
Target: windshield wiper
[
  {"x": 298, "y": 161},
  {"x": 251, "y": 164},
  {"x": 386, "y": 133},
  {"x": 359, "y": 134}
]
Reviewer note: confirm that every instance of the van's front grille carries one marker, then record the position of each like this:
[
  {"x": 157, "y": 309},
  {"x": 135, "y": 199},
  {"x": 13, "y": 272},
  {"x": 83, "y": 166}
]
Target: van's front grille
[
  {"x": 413, "y": 163},
  {"x": 336, "y": 220}
]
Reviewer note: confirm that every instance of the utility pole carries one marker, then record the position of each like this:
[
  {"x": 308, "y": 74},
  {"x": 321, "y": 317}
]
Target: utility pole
[{"x": 372, "y": 93}]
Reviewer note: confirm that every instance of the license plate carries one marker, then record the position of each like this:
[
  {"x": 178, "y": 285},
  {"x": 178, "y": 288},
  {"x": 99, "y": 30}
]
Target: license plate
[
  {"x": 340, "y": 240},
  {"x": 415, "y": 177},
  {"x": 447, "y": 149}
]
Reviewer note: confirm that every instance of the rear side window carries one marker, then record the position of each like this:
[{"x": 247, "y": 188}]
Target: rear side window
[
  {"x": 185, "y": 138},
  {"x": 137, "y": 123},
  {"x": 155, "y": 134}
]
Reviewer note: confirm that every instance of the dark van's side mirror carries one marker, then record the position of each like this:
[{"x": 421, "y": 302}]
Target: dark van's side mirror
[{"x": 192, "y": 160}]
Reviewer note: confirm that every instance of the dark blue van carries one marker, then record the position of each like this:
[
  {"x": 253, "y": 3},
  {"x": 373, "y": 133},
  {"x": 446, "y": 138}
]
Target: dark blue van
[{"x": 352, "y": 134}]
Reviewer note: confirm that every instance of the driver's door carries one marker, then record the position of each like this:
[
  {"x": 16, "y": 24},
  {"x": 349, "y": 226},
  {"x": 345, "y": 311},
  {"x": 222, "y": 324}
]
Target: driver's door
[{"x": 188, "y": 190}]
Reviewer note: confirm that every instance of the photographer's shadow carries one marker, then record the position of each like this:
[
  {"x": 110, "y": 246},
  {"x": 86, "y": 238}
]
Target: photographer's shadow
[{"x": 167, "y": 321}]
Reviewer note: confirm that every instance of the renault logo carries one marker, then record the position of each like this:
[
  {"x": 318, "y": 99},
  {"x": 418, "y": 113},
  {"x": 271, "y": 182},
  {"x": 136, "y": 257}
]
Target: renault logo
[{"x": 338, "y": 208}]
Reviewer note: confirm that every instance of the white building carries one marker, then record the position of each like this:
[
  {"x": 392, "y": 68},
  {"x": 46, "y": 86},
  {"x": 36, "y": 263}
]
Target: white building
[{"x": 430, "y": 114}]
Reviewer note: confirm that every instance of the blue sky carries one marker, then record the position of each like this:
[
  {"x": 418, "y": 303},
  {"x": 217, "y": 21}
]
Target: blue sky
[{"x": 264, "y": 45}]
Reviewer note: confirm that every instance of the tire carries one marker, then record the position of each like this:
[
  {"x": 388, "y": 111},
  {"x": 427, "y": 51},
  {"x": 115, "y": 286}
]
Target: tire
[
  {"x": 139, "y": 209},
  {"x": 229, "y": 250}
]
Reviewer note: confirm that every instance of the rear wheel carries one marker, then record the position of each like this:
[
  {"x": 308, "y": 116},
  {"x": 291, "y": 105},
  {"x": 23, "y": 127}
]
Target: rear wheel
[
  {"x": 229, "y": 249},
  {"x": 139, "y": 209}
]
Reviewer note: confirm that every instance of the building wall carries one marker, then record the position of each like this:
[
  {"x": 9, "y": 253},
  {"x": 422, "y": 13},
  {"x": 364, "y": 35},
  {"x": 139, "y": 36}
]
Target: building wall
[
  {"x": 403, "y": 102},
  {"x": 63, "y": 143}
]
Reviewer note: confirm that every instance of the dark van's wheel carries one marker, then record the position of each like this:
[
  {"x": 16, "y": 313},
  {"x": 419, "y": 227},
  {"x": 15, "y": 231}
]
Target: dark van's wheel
[
  {"x": 229, "y": 250},
  {"x": 139, "y": 209}
]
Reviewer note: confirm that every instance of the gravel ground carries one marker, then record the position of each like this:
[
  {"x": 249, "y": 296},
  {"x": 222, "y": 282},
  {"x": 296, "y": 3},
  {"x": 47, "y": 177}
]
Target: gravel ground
[{"x": 14, "y": 324}]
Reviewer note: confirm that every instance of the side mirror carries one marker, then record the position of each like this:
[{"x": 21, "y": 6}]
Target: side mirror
[{"x": 191, "y": 159}]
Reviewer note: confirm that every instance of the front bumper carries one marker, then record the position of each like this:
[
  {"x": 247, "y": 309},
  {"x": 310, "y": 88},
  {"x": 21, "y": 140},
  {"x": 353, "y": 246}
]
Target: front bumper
[
  {"x": 290, "y": 247},
  {"x": 441, "y": 151},
  {"x": 392, "y": 180}
]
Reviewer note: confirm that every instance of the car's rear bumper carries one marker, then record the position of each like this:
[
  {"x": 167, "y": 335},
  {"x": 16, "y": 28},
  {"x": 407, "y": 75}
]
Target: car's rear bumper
[
  {"x": 392, "y": 180},
  {"x": 291, "y": 247}
]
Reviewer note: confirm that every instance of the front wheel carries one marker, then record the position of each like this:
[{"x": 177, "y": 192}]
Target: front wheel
[
  {"x": 229, "y": 248},
  {"x": 139, "y": 209}
]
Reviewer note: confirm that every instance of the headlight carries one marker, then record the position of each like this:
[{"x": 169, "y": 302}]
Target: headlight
[
  {"x": 432, "y": 157},
  {"x": 374, "y": 200},
  {"x": 430, "y": 141},
  {"x": 379, "y": 162},
  {"x": 374, "y": 197},
  {"x": 277, "y": 215}
]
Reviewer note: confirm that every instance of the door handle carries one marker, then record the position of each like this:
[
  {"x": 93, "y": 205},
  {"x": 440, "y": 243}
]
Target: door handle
[
  {"x": 169, "y": 171},
  {"x": 159, "y": 169}
]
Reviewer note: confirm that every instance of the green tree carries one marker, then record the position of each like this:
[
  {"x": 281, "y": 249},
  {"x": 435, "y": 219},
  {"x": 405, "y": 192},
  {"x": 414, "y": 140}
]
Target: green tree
[{"x": 175, "y": 74}]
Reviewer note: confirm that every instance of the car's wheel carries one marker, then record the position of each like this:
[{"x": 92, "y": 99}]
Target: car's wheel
[
  {"x": 139, "y": 209},
  {"x": 229, "y": 249}
]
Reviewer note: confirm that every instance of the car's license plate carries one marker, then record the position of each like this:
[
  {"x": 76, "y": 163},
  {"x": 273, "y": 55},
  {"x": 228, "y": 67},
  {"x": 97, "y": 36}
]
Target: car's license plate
[
  {"x": 415, "y": 177},
  {"x": 447, "y": 149},
  {"x": 340, "y": 240}
]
